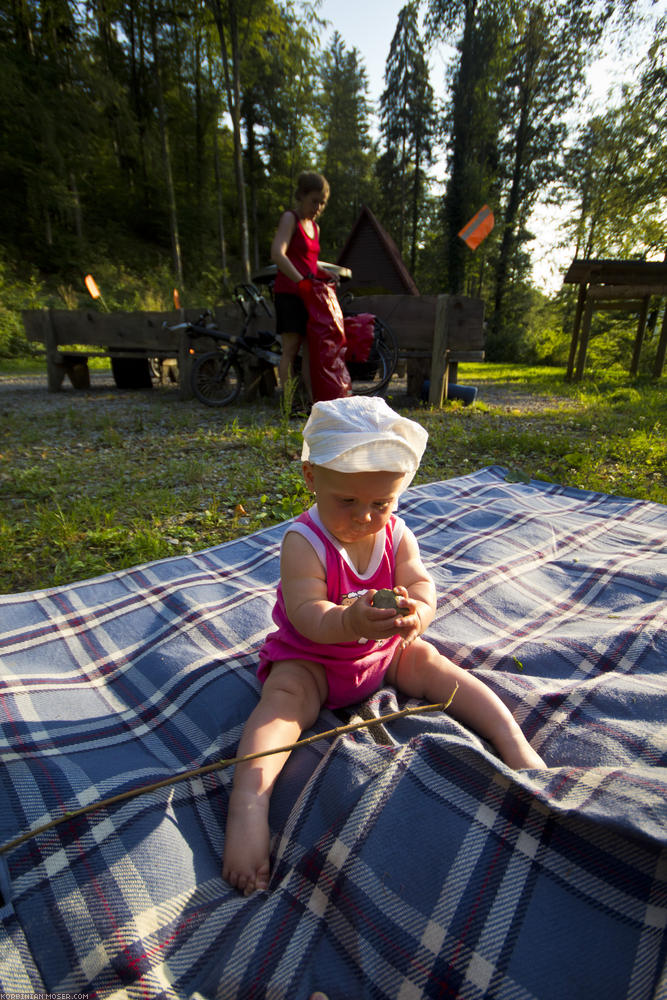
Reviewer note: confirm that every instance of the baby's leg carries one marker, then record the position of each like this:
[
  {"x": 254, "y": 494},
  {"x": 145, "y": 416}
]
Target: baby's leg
[
  {"x": 421, "y": 672},
  {"x": 291, "y": 700}
]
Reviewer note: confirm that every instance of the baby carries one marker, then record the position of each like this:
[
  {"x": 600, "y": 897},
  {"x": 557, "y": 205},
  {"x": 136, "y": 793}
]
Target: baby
[{"x": 332, "y": 647}]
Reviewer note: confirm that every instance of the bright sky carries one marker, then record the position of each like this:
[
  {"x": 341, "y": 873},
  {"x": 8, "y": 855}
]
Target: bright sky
[{"x": 369, "y": 25}]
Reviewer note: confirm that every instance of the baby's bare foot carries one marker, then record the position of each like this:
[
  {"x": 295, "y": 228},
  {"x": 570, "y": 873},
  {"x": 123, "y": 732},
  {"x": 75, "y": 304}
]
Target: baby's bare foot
[{"x": 246, "y": 863}]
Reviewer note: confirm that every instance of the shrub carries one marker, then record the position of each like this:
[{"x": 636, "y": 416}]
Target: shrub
[{"x": 16, "y": 295}]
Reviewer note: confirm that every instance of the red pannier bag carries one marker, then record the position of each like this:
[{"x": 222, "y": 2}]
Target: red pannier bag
[
  {"x": 329, "y": 376},
  {"x": 359, "y": 333}
]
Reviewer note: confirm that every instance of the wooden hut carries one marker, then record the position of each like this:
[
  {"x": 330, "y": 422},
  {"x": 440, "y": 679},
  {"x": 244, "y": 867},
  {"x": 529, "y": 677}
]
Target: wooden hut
[{"x": 374, "y": 259}]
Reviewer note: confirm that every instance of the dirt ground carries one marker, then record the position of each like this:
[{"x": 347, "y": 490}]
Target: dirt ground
[{"x": 30, "y": 392}]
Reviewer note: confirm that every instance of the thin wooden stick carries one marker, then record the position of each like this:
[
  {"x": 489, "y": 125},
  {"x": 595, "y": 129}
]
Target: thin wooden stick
[{"x": 219, "y": 765}]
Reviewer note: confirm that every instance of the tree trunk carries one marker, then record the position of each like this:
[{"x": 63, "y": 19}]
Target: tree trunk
[
  {"x": 48, "y": 228},
  {"x": 233, "y": 88},
  {"x": 457, "y": 196},
  {"x": 78, "y": 215},
  {"x": 166, "y": 156},
  {"x": 22, "y": 28},
  {"x": 416, "y": 190},
  {"x": 200, "y": 140},
  {"x": 252, "y": 185},
  {"x": 221, "y": 219},
  {"x": 401, "y": 230},
  {"x": 507, "y": 243}
]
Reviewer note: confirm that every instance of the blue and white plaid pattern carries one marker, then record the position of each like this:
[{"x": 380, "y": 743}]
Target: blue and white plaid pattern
[{"x": 420, "y": 866}]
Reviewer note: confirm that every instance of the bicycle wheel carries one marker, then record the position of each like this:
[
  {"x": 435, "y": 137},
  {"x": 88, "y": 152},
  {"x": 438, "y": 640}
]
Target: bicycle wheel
[
  {"x": 217, "y": 379},
  {"x": 371, "y": 377}
]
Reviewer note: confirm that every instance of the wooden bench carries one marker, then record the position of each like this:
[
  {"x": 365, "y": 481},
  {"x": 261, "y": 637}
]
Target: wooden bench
[
  {"x": 434, "y": 332},
  {"x": 129, "y": 339}
]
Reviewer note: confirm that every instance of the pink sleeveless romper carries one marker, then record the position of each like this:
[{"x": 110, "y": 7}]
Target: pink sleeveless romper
[{"x": 354, "y": 669}]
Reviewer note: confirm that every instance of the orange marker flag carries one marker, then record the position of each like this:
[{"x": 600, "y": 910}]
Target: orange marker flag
[
  {"x": 479, "y": 226},
  {"x": 91, "y": 285},
  {"x": 177, "y": 299}
]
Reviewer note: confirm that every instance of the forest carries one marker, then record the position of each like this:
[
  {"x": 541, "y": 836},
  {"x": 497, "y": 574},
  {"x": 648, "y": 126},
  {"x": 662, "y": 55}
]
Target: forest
[{"x": 155, "y": 145}]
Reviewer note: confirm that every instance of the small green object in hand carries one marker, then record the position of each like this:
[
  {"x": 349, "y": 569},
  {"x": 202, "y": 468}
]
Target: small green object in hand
[{"x": 385, "y": 599}]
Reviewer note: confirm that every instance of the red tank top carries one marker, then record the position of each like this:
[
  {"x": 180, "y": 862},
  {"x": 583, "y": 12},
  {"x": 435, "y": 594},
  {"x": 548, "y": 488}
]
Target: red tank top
[{"x": 303, "y": 252}]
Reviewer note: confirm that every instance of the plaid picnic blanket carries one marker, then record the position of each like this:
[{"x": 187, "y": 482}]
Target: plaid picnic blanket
[{"x": 408, "y": 861}]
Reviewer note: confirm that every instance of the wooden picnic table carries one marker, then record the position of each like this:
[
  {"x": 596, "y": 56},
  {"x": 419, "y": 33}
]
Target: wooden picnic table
[{"x": 615, "y": 284}]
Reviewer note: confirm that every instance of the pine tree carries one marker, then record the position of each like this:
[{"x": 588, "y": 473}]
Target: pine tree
[
  {"x": 472, "y": 125},
  {"x": 544, "y": 74},
  {"x": 408, "y": 126},
  {"x": 346, "y": 143},
  {"x": 617, "y": 169},
  {"x": 278, "y": 116},
  {"x": 519, "y": 73}
]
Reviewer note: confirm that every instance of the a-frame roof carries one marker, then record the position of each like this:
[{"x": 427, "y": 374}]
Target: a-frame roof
[{"x": 374, "y": 259}]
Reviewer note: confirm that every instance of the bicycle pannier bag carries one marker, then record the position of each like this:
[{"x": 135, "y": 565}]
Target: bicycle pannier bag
[{"x": 359, "y": 332}]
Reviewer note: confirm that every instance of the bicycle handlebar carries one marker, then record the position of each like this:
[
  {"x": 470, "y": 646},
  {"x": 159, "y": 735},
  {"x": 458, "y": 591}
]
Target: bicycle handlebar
[
  {"x": 245, "y": 291},
  {"x": 207, "y": 314}
]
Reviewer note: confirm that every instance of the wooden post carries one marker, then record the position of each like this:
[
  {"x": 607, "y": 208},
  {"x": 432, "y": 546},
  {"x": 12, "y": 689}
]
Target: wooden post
[
  {"x": 583, "y": 343},
  {"x": 575, "y": 330},
  {"x": 641, "y": 327},
  {"x": 185, "y": 367},
  {"x": 662, "y": 346},
  {"x": 55, "y": 369},
  {"x": 439, "y": 361}
]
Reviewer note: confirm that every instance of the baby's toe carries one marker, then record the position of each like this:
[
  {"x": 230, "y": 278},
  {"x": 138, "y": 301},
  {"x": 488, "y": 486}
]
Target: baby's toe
[
  {"x": 234, "y": 878},
  {"x": 263, "y": 876}
]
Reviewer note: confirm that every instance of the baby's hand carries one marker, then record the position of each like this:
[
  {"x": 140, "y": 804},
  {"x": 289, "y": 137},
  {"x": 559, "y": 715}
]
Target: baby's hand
[
  {"x": 368, "y": 622},
  {"x": 408, "y": 624}
]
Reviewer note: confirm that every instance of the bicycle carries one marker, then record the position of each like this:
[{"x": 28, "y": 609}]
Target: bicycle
[{"x": 219, "y": 376}]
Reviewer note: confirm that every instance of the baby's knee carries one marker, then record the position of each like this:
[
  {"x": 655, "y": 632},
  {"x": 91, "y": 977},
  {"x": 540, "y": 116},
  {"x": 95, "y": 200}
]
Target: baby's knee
[
  {"x": 419, "y": 663},
  {"x": 298, "y": 682},
  {"x": 423, "y": 654}
]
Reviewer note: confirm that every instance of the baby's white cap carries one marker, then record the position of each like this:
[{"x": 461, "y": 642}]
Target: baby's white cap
[{"x": 362, "y": 434}]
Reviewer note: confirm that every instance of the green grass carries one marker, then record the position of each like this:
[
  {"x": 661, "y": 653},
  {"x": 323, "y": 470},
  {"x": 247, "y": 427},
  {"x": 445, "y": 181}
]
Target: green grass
[
  {"x": 105, "y": 480},
  {"x": 605, "y": 434},
  {"x": 36, "y": 365}
]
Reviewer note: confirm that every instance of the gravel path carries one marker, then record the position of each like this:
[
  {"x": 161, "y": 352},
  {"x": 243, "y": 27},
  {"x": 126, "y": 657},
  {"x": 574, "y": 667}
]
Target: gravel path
[{"x": 31, "y": 393}]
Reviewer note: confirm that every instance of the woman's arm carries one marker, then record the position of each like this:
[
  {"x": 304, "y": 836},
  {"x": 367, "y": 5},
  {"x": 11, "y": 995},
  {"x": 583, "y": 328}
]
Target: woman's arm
[
  {"x": 281, "y": 241},
  {"x": 308, "y": 608}
]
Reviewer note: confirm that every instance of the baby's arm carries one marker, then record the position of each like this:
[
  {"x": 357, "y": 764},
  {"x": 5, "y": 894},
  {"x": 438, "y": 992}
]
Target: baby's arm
[
  {"x": 414, "y": 584},
  {"x": 305, "y": 594}
]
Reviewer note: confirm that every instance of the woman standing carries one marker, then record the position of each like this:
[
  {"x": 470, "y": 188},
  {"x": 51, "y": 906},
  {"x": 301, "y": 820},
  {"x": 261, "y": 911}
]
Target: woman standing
[{"x": 295, "y": 252}]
